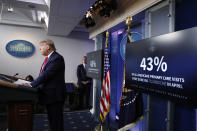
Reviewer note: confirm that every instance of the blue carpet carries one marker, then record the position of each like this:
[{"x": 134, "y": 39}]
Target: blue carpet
[{"x": 73, "y": 121}]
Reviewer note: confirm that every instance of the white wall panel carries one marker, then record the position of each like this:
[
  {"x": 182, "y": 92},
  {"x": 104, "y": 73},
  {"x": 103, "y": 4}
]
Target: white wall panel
[{"x": 71, "y": 48}]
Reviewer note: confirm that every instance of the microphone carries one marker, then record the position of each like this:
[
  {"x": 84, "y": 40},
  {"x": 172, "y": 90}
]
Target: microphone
[{"x": 16, "y": 74}]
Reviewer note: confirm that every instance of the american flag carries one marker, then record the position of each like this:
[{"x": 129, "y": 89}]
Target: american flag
[{"x": 105, "y": 90}]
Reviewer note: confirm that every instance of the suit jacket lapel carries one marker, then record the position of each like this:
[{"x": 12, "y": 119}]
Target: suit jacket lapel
[{"x": 48, "y": 61}]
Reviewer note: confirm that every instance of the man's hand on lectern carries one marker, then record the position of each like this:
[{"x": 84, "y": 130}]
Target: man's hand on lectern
[{"x": 26, "y": 84}]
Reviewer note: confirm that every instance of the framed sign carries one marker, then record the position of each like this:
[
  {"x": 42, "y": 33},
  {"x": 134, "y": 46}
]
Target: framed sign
[
  {"x": 20, "y": 48},
  {"x": 165, "y": 66},
  {"x": 94, "y": 64}
]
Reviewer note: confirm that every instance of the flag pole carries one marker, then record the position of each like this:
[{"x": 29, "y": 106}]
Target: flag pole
[
  {"x": 106, "y": 46},
  {"x": 107, "y": 37},
  {"x": 134, "y": 98}
]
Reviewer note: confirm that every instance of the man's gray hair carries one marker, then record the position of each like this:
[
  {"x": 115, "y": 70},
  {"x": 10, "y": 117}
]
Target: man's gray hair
[{"x": 50, "y": 43}]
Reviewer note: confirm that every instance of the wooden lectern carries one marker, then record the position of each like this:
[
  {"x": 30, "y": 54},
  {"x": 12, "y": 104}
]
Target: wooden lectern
[{"x": 19, "y": 104}]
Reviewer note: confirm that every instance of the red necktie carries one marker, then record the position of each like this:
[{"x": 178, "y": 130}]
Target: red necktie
[{"x": 45, "y": 61}]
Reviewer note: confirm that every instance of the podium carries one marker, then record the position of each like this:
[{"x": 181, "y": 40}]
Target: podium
[{"x": 19, "y": 104}]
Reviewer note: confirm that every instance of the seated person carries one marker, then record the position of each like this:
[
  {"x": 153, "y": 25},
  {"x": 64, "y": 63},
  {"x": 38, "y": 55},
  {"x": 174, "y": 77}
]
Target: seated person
[{"x": 29, "y": 78}]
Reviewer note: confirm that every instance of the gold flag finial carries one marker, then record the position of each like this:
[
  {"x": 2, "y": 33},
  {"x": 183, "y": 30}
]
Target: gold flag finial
[
  {"x": 128, "y": 20},
  {"x": 107, "y": 34}
]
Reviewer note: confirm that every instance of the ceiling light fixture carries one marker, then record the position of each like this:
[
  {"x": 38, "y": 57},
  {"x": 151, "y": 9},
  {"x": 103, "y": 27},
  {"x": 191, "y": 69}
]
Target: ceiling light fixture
[
  {"x": 102, "y": 8},
  {"x": 10, "y": 9}
]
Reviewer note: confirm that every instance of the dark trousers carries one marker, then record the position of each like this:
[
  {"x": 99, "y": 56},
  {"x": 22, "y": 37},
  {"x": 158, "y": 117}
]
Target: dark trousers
[
  {"x": 55, "y": 116},
  {"x": 84, "y": 97},
  {"x": 81, "y": 98},
  {"x": 87, "y": 98}
]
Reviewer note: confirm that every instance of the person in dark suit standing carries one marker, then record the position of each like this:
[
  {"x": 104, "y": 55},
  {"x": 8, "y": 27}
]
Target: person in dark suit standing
[
  {"x": 51, "y": 84},
  {"x": 84, "y": 84}
]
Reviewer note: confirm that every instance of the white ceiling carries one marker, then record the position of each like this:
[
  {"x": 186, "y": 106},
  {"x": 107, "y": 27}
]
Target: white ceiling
[{"x": 63, "y": 15}]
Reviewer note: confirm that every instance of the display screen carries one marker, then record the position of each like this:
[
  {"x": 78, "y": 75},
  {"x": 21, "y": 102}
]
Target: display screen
[
  {"x": 94, "y": 64},
  {"x": 165, "y": 66}
]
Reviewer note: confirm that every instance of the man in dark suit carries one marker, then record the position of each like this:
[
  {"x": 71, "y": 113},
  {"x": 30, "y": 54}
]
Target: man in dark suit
[
  {"x": 51, "y": 84},
  {"x": 84, "y": 84}
]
